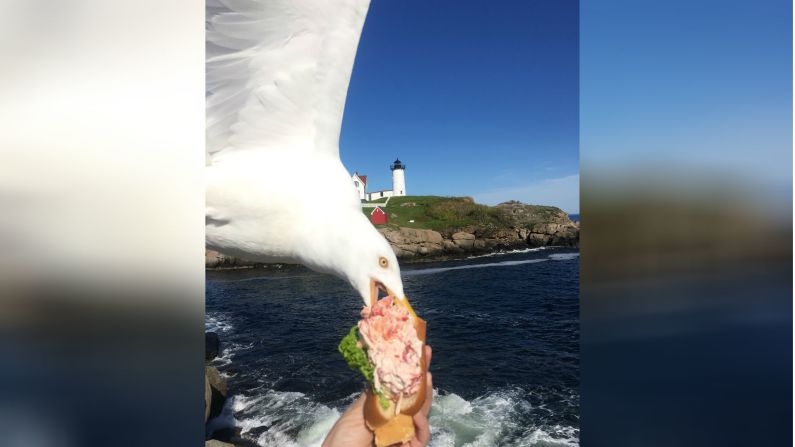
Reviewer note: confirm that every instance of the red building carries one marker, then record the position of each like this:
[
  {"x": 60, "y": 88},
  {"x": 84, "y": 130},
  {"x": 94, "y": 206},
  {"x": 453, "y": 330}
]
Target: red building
[{"x": 378, "y": 216}]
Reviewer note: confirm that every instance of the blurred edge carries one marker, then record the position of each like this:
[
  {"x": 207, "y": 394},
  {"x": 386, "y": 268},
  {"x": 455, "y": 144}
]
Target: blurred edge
[
  {"x": 686, "y": 314},
  {"x": 686, "y": 267},
  {"x": 101, "y": 233}
]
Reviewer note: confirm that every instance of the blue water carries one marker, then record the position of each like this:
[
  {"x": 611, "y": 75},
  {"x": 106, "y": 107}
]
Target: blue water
[{"x": 504, "y": 330}]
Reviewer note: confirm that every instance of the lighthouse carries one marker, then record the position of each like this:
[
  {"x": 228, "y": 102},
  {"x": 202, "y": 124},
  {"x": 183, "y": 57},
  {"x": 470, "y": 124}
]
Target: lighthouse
[
  {"x": 398, "y": 183},
  {"x": 398, "y": 178}
]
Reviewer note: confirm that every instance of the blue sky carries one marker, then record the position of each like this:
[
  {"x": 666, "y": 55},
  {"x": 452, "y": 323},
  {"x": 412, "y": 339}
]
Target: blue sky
[
  {"x": 679, "y": 84},
  {"x": 477, "y": 98}
]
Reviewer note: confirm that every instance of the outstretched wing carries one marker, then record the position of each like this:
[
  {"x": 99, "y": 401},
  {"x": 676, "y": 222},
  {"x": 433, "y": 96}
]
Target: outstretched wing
[{"x": 278, "y": 72}]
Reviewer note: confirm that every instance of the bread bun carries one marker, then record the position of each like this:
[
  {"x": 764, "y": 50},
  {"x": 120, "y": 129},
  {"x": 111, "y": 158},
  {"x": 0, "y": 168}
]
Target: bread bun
[{"x": 390, "y": 426}]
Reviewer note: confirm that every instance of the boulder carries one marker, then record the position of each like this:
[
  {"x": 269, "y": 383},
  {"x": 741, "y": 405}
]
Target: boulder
[
  {"x": 217, "y": 382},
  {"x": 451, "y": 247},
  {"x": 410, "y": 242},
  {"x": 218, "y": 390},
  {"x": 433, "y": 237},
  {"x": 208, "y": 398},
  {"x": 401, "y": 252},
  {"x": 213, "y": 259},
  {"x": 464, "y": 241},
  {"x": 538, "y": 239},
  {"x": 488, "y": 244},
  {"x": 462, "y": 236},
  {"x": 212, "y": 346},
  {"x": 217, "y": 443},
  {"x": 465, "y": 244}
]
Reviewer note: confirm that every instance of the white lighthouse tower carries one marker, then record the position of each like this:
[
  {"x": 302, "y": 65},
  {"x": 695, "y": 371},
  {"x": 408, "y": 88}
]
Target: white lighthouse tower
[{"x": 398, "y": 178}]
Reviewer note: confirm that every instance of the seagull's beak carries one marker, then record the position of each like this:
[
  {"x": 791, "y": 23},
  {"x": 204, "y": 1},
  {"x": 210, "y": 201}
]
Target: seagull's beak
[{"x": 377, "y": 288}]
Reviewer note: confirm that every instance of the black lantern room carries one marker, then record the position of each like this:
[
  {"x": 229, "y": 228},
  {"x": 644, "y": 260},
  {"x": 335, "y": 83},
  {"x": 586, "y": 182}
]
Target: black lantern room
[{"x": 397, "y": 165}]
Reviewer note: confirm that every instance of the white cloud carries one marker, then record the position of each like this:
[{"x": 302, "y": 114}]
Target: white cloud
[{"x": 563, "y": 192}]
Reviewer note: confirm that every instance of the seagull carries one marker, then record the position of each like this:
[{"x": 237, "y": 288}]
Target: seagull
[{"x": 277, "y": 75}]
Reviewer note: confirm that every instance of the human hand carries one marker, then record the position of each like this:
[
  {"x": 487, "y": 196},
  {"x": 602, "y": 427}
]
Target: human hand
[
  {"x": 351, "y": 429},
  {"x": 422, "y": 431}
]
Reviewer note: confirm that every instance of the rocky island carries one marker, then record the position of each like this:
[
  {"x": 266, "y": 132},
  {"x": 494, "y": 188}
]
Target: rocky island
[{"x": 430, "y": 228}]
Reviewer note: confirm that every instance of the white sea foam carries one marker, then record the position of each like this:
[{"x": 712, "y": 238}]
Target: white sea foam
[
  {"x": 433, "y": 270},
  {"x": 554, "y": 436},
  {"x": 227, "y": 354},
  {"x": 291, "y": 419},
  {"x": 487, "y": 419},
  {"x": 509, "y": 252},
  {"x": 563, "y": 256},
  {"x": 216, "y": 323}
]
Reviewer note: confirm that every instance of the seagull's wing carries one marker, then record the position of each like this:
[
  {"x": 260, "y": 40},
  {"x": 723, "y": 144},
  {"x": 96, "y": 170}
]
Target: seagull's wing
[{"x": 278, "y": 73}]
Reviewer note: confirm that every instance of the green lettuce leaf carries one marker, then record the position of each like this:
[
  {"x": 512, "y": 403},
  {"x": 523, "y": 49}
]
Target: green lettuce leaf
[
  {"x": 356, "y": 358},
  {"x": 383, "y": 400}
]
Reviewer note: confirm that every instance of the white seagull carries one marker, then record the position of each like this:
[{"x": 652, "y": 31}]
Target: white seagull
[{"x": 277, "y": 78}]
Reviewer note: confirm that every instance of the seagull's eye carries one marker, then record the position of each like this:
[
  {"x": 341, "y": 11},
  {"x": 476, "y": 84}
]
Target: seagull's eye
[{"x": 383, "y": 262}]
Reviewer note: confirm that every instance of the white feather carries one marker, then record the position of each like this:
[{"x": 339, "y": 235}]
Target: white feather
[
  {"x": 277, "y": 78},
  {"x": 278, "y": 72}
]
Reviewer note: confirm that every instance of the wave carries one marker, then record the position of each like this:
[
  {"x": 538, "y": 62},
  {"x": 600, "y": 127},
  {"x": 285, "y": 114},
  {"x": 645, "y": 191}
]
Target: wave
[
  {"x": 432, "y": 270},
  {"x": 509, "y": 252},
  {"x": 493, "y": 419},
  {"x": 216, "y": 323},
  {"x": 292, "y": 419},
  {"x": 563, "y": 256},
  {"x": 551, "y": 257}
]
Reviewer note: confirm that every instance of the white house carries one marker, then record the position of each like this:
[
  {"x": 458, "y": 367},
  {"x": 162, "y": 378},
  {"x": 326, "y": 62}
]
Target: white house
[
  {"x": 360, "y": 182},
  {"x": 398, "y": 183}
]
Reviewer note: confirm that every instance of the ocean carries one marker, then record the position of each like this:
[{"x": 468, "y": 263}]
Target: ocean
[{"x": 504, "y": 330}]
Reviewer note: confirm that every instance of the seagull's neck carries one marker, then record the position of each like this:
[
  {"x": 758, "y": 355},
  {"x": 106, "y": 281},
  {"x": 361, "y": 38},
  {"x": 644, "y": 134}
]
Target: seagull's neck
[{"x": 330, "y": 243}]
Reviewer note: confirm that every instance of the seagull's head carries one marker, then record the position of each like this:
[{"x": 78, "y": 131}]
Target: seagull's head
[
  {"x": 358, "y": 253},
  {"x": 373, "y": 270}
]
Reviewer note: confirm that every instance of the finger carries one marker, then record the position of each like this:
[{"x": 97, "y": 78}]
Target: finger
[
  {"x": 428, "y": 355},
  {"x": 422, "y": 431},
  {"x": 426, "y": 406}
]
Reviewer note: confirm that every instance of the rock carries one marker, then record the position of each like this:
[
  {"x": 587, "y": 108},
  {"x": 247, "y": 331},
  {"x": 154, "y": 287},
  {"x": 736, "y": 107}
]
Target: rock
[
  {"x": 213, "y": 259},
  {"x": 487, "y": 243},
  {"x": 401, "y": 253},
  {"x": 479, "y": 244},
  {"x": 208, "y": 398},
  {"x": 451, "y": 247},
  {"x": 433, "y": 237},
  {"x": 212, "y": 346},
  {"x": 538, "y": 239},
  {"x": 410, "y": 242},
  {"x": 464, "y": 240},
  {"x": 463, "y": 236},
  {"x": 521, "y": 215},
  {"x": 218, "y": 390},
  {"x": 464, "y": 244},
  {"x": 217, "y": 443},
  {"x": 216, "y": 381}
]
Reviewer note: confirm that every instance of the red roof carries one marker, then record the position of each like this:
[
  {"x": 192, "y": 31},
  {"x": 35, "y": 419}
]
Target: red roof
[
  {"x": 380, "y": 211},
  {"x": 364, "y": 179}
]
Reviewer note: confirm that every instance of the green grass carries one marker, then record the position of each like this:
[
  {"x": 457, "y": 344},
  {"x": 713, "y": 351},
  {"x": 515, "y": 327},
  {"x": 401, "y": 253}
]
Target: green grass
[{"x": 441, "y": 213}]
